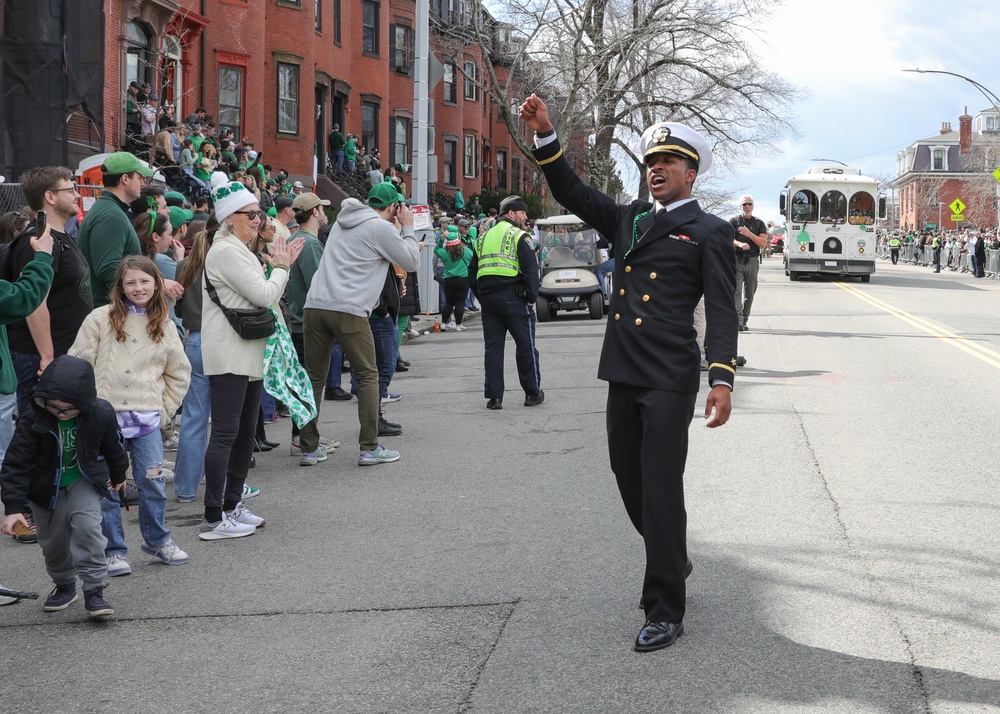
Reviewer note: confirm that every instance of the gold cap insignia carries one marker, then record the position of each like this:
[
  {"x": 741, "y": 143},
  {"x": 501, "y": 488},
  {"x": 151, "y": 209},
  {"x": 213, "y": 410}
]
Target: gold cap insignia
[{"x": 660, "y": 134}]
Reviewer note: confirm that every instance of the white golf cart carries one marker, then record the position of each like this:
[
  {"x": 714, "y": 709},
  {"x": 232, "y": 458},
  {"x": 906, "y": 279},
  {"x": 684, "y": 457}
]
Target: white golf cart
[{"x": 567, "y": 259}]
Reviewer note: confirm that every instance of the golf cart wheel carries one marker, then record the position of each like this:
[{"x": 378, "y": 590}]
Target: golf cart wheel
[
  {"x": 596, "y": 304},
  {"x": 542, "y": 312}
]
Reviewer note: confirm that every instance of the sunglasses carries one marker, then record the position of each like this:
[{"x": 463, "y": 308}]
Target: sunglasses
[
  {"x": 746, "y": 204},
  {"x": 252, "y": 215}
]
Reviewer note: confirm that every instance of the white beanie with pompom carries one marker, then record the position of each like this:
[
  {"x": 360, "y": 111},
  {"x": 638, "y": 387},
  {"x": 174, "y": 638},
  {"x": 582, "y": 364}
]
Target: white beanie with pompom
[{"x": 229, "y": 196}]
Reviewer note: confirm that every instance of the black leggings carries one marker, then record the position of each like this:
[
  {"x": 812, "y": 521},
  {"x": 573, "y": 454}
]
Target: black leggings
[
  {"x": 456, "y": 290},
  {"x": 235, "y": 406}
]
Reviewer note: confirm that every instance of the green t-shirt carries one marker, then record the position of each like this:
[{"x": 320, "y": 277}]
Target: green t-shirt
[{"x": 70, "y": 466}]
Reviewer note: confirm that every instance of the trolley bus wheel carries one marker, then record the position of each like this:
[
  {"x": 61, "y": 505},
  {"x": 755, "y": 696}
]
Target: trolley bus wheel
[
  {"x": 866, "y": 278},
  {"x": 793, "y": 276}
]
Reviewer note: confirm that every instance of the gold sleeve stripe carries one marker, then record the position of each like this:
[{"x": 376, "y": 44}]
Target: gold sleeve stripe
[
  {"x": 724, "y": 366},
  {"x": 550, "y": 159}
]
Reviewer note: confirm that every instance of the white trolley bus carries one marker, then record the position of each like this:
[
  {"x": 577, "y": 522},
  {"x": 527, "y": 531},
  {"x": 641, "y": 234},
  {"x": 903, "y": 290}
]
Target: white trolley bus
[{"x": 830, "y": 219}]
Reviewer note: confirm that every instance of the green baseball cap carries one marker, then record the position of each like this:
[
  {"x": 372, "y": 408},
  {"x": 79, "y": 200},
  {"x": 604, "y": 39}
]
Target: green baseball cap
[
  {"x": 179, "y": 216},
  {"x": 174, "y": 198},
  {"x": 123, "y": 162},
  {"x": 383, "y": 195}
]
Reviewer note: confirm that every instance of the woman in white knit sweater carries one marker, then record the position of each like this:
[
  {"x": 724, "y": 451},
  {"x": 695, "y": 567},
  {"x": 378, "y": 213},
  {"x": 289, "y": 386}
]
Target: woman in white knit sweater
[
  {"x": 140, "y": 367},
  {"x": 235, "y": 366}
]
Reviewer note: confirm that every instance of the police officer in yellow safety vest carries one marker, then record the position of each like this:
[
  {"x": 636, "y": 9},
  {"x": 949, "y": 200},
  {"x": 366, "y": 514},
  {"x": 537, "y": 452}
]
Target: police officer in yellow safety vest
[
  {"x": 504, "y": 275},
  {"x": 894, "y": 249}
]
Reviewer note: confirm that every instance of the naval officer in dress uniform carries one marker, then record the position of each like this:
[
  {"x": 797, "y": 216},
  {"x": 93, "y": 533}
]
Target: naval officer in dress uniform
[{"x": 668, "y": 254}]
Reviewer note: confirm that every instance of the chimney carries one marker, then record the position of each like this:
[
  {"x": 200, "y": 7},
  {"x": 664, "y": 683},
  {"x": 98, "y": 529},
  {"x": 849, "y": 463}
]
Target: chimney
[
  {"x": 965, "y": 133},
  {"x": 946, "y": 127}
]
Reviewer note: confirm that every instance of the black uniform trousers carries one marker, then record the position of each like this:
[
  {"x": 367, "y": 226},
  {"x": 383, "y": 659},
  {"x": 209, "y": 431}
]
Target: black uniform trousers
[
  {"x": 648, "y": 443},
  {"x": 502, "y": 312}
]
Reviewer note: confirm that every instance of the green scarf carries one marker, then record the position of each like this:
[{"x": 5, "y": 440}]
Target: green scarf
[{"x": 285, "y": 379}]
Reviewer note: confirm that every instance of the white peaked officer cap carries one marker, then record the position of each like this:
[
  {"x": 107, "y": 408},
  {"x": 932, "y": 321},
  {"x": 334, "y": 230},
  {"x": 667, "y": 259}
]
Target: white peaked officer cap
[{"x": 677, "y": 139}]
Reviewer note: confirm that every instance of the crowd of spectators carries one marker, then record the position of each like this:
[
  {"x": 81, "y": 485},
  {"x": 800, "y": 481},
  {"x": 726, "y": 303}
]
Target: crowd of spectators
[
  {"x": 976, "y": 252},
  {"x": 150, "y": 288}
]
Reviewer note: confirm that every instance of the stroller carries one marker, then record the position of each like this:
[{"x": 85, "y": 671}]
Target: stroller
[{"x": 178, "y": 180}]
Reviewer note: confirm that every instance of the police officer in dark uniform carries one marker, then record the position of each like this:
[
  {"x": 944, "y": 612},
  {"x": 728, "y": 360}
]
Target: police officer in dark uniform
[
  {"x": 504, "y": 274},
  {"x": 667, "y": 255}
]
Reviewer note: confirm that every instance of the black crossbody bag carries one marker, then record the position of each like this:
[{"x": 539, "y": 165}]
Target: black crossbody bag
[{"x": 254, "y": 323}]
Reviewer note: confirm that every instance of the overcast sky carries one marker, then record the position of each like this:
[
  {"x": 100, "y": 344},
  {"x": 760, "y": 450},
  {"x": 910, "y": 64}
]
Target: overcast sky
[{"x": 862, "y": 109}]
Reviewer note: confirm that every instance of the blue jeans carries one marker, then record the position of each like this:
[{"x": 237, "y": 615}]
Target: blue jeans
[
  {"x": 147, "y": 454},
  {"x": 26, "y": 366},
  {"x": 608, "y": 266},
  {"x": 336, "y": 366},
  {"x": 268, "y": 405},
  {"x": 384, "y": 334},
  {"x": 7, "y": 404},
  {"x": 190, "y": 466},
  {"x": 470, "y": 300},
  {"x": 338, "y": 160}
]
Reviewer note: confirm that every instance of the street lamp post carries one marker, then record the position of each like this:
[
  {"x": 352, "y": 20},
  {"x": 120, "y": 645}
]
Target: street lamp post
[
  {"x": 940, "y": 206},
  {"x": 991, "y": 97}
]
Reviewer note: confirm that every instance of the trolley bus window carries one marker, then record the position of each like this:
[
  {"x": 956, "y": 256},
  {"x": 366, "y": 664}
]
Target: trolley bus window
[
  {"x": 805, "y": 207},
  {"x": 833, "y": 208},
  {"x": 862, "y": 209}
]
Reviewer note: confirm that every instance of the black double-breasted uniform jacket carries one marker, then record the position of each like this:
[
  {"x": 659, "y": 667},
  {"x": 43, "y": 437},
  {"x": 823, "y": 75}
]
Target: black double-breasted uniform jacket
[{"x": 663, "y": 265}]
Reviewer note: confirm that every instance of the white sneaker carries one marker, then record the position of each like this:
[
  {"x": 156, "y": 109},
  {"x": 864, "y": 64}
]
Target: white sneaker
[
  {"x": 324, "y": 443},
  {"x": 250, "y": 491},
  {"x": 460, "y": 328},
  {"x": 449, "y": 327},
  {"x": 242, "y": 514},
  {"x": 172, "y": 443},
  {"x": 117, "y": 565},
  {"x": 168, "y": 474},
  {"x": 226, "y": 528},
  {"x": 167, "y": 553}
]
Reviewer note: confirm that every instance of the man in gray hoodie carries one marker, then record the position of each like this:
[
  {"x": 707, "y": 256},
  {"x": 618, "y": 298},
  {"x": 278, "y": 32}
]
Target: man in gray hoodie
[{"x": 363, "y": 244}]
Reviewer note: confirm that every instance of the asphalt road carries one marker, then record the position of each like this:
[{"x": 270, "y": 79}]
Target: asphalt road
[{"x": 843, "y": 526}]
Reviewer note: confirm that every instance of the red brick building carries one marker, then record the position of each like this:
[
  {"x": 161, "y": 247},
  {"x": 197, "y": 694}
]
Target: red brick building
[
  {"x": 283, "y": 72},
  {"x": 931, "y": 173}
]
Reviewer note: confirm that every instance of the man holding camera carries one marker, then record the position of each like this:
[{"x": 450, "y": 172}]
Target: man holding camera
[
  {"x": 751, "y": 237},
  {"x": 363, "y": 244}
]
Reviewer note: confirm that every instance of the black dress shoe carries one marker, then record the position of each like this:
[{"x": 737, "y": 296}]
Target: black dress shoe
[
  {"x": 401, "y": 366},
  {"x": 387, "y": 428},
  {"x": 253, "y": 462},
  {"x": 338, "y": 394},
  {"x": 404, "y": 362},
  {"x": 261, "y": 445},
  {"x": 272, "y": 444},
  {"x": 657, "y": 635},
  {"x": 533, "y": 400},
  {"x": 494, "y": 404}
]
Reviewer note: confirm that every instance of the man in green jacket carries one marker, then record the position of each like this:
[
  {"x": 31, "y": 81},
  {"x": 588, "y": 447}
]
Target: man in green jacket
[
  {"x": 106, "y": 234},
  {"x": 309, "y": 214},
  {"x": 337, "y": 144},
  {"x": 350, "y": 153}
]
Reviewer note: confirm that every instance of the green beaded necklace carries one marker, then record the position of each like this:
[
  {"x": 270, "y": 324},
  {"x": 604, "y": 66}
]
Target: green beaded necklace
[{"x": 635, "y": 232}]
